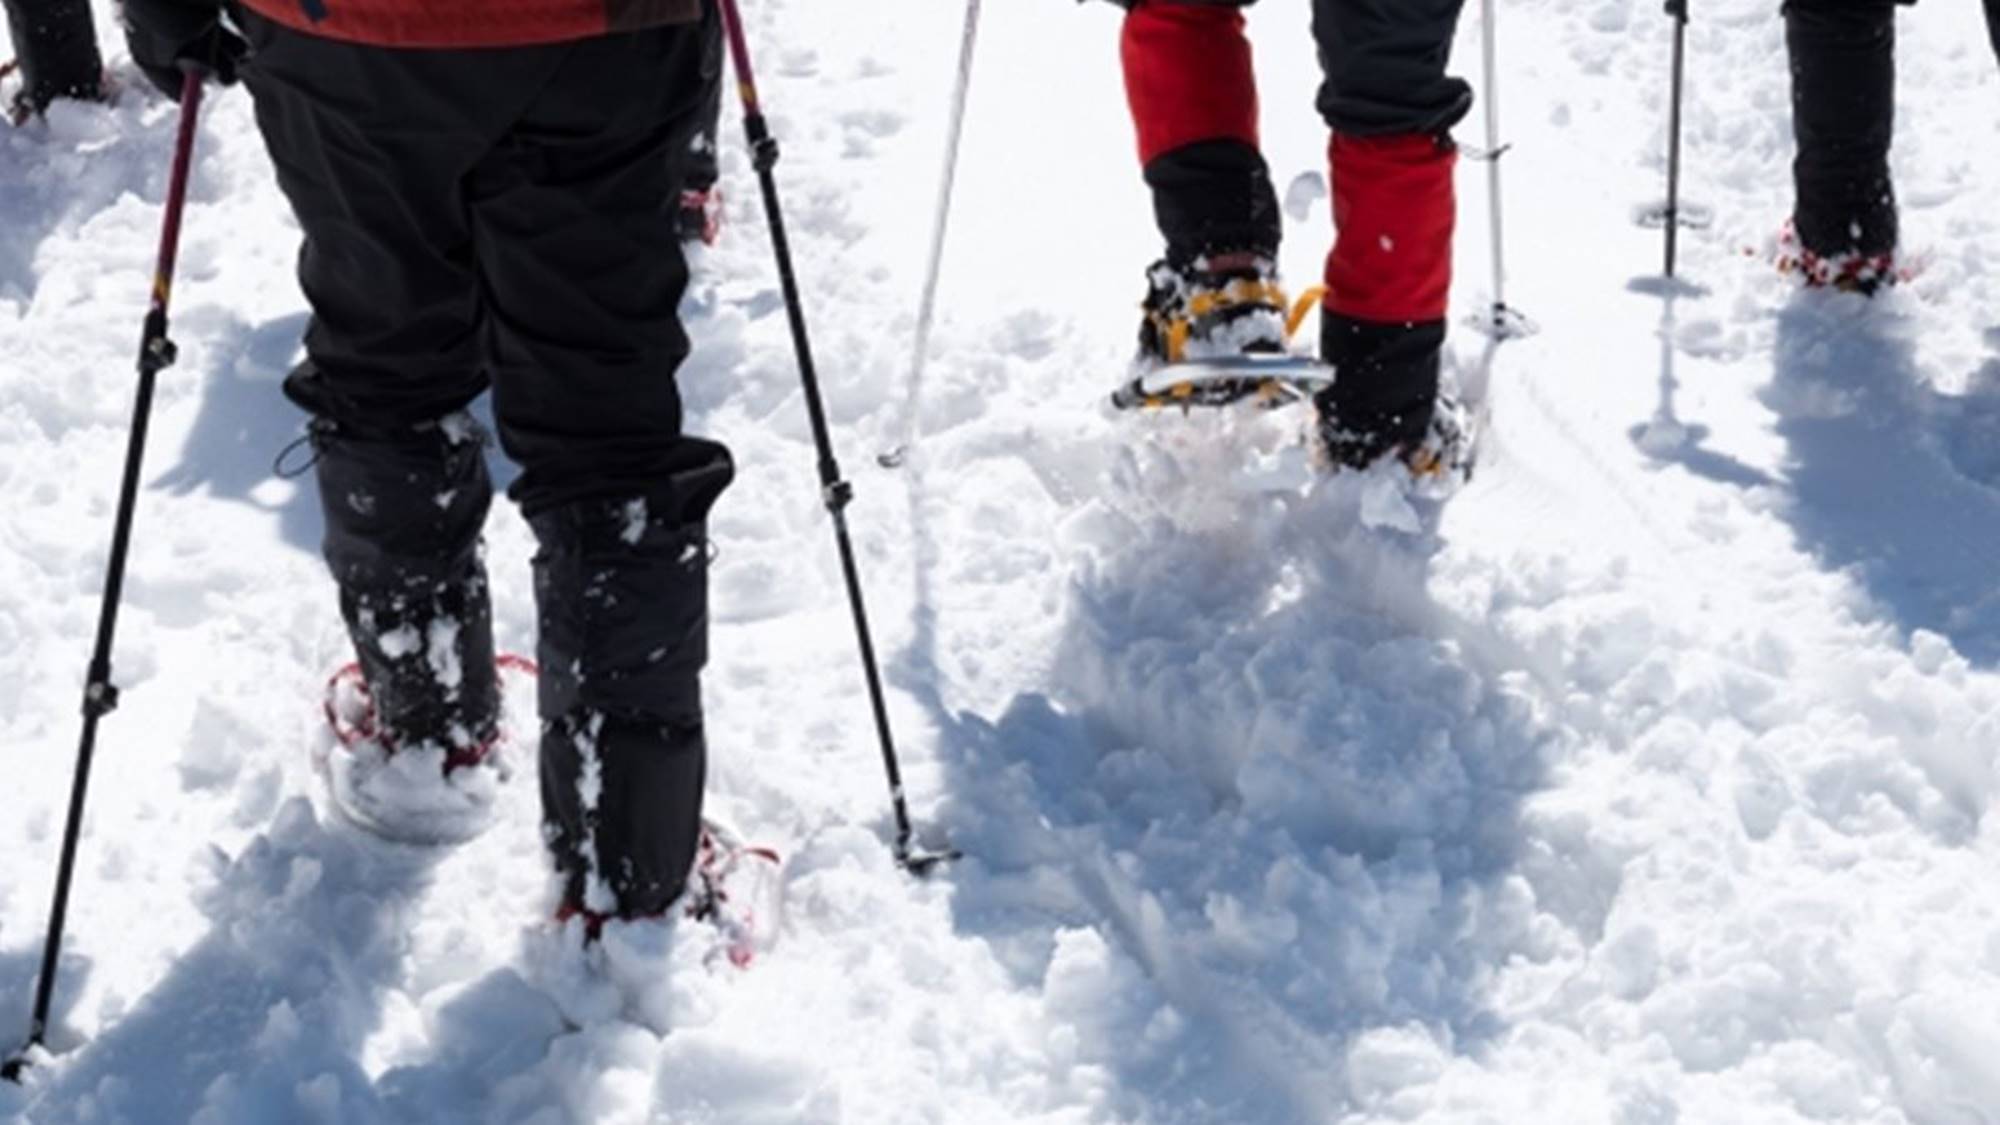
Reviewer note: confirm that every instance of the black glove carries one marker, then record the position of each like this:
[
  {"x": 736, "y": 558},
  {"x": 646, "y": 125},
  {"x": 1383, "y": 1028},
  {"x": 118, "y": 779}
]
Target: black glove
[{"x": 164, "y": 34}]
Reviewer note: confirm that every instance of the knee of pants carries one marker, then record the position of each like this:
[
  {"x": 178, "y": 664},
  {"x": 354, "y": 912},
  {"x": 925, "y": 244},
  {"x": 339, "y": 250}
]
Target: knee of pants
[{"x": 1384, "y": 63}]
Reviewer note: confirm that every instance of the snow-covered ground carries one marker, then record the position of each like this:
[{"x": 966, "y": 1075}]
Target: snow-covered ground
[{"x": 1648, "y": 780}]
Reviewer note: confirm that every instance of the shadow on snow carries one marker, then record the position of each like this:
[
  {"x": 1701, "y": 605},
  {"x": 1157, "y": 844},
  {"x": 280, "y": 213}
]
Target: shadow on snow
[
  {"x": 1889, "y": 478},
  {"x": 1269, "y": 811}
]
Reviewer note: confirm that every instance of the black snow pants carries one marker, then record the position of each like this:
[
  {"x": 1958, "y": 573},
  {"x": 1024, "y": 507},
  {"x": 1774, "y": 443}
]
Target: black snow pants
[
  {"x": 505, "y": 219},
  {"x": 702, "y": 167},
  {"x": 1843, "y": 67},
  {"x": 56, "y": 44}
]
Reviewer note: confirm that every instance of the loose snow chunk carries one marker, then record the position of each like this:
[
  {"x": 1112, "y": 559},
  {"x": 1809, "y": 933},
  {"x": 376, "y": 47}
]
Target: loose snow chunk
[
  {"x": 460, "y": 427},
  {"x": 1387, "y": 1060},
  {"x": 443, "y": 653},
  {"x": 635, "y": 521},
  {"x": 400, "y": 642},
  {"x": 1385, "y": 502}
]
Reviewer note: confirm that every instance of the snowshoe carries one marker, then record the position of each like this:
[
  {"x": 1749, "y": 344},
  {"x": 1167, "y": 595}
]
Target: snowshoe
[
  {"x": 423, "y": 794},
  {"x": 1216, "y": 332},
  {"x": 734, "y": 887},
  {"x": 1851, "y": 272},
  {"x": 699, "y": 216},
  {"x": 1264, "y": 379}
]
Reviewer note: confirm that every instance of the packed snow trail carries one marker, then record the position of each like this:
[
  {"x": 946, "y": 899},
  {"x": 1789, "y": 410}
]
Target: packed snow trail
[{"x": 1648, "y": 780}]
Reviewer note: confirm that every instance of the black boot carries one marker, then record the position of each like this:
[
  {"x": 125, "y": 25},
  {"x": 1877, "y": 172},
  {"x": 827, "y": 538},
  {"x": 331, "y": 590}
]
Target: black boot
[
  {"x": 403, "y": 509},
  {"x": 1384, "y": 391},
  {"x": 622, "y": 590}
]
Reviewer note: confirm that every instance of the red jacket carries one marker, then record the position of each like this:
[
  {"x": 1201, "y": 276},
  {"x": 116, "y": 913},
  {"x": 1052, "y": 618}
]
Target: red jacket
[{"x": 471, "y": 23}]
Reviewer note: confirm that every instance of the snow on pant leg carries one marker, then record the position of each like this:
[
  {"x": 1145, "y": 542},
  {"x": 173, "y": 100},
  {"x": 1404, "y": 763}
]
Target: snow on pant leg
[
  {"x": 370, "y": 147},
  {"x": 622, "y": 590},
  {"x": 1193, "y": 95},
  {"x": 1389, "y": 103},
  {"x": 574, "y": 219},
  {"x": 1843, "y": 69},
  {"x": 403, "y": 511}
]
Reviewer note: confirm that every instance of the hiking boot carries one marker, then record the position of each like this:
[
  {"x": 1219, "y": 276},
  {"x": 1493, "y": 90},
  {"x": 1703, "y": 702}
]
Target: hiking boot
[{"x": 1216, "y": 305}]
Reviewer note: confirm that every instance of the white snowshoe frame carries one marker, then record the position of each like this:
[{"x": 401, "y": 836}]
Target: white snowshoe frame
[{"x": 1267, "y": 380}]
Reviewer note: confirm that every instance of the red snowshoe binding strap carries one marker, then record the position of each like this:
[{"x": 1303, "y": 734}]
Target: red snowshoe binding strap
[
  {"x": 706, "y": 898},
  {"x": 364, "y": 728}
]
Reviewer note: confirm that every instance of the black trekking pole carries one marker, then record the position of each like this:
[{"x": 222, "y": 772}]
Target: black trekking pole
[
  {"x": 156, "y": 353},
  {"x": 836, "y": 493},
  {"x": 1678, "y": 10}
]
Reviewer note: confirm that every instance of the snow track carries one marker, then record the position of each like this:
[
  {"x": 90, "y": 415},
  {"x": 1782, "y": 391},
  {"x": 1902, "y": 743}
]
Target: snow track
[{"x": 1647, "y": 780}]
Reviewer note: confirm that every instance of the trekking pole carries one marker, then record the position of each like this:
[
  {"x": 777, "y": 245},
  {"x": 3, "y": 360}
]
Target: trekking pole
[
  {"x": 1678, "y": 10},
  {"x": 1500, "y": 314},
  {"x": 927, "y": 307},
  {"x": 156, "y": 352},
  {"x": 835, "y": 492}
]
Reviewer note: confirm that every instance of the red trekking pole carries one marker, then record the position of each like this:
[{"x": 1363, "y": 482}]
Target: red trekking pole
[
  {"x": 834, "y": 492},
  {"x": 156, "y": 353}
]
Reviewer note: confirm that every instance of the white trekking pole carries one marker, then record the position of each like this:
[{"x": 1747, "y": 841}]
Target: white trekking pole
[
  {"x": 1501, "y": 320},
  {"x": 927, "y": 307}
]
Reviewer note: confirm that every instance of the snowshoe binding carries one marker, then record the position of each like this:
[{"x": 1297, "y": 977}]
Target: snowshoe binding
[
  {"x": 698, "y": 217},
  {"x": 1439, "y": 462},
  {"x": 1849, "y": 272},
  {"x": 734, "y": 887},
  {"x": 431, "y": 792},
  {"x": 1216, "y": 331}
]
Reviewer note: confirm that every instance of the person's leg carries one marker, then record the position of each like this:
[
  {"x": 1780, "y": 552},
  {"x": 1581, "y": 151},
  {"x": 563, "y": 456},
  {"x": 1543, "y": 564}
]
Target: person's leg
[
  {"x": 573, "y": 214},
  {"x": 369, "y": 147},
  {"x": 1843, "y": 68},
  {"x": 1193, "y": 95},
  {"x": 56, "y": 44},
  {"x": 1390, "y": 105}
]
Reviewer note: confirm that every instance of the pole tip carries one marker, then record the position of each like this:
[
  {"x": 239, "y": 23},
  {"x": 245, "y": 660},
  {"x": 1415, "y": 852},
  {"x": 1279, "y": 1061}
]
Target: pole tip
[{"x": 921, "y": 864}]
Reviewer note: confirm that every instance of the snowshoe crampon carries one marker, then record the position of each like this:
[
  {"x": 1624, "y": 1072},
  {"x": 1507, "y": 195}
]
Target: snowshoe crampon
[
  {"x": 1443, "y": 461},
  {"x": 426, "y": 794}
]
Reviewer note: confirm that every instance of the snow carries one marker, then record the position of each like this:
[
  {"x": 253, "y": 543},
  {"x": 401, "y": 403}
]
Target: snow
[{"x": 1645, "y": 780}]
